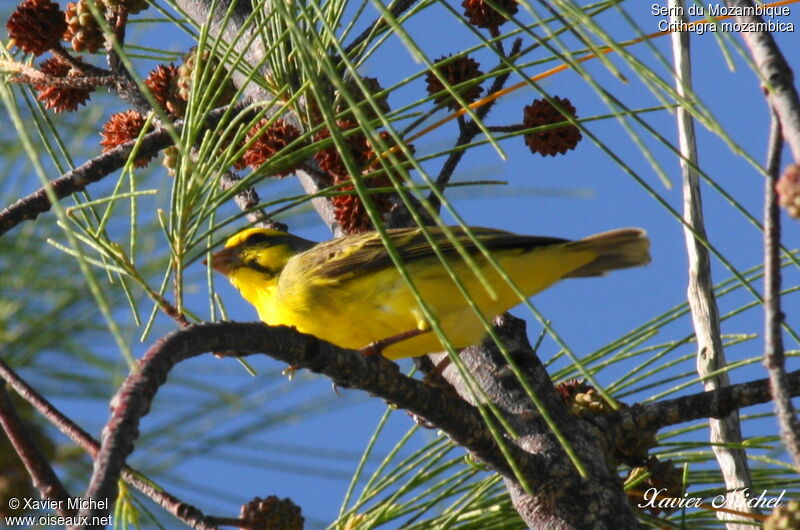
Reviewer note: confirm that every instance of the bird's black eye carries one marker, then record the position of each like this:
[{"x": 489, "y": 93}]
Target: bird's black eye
[{"x": 256, "y": 239}]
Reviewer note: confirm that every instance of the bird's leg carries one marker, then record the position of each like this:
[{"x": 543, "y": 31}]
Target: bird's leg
[{"x": 377, "y": 347}]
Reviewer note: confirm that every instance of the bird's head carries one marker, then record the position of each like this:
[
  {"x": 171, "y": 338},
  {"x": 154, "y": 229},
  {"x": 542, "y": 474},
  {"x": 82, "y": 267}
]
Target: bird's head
[{"x": 257, "y": 253}]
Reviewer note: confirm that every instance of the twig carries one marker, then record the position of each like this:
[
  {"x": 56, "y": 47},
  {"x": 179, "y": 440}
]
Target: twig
[
  {"x": 774, "y": 358},
  {"x": 774, "y": 70},
  {"x": 468, "y": 131},
  {"x": 31, "y": 206},
  {"x": 229, "y": 521},
  {"x": 712, "y": 404},
  {"x": 114, "y": 61},
  {"x": 187, "y": 513},
  {"x": 248, "y": 199},
  {"x": 346, "y": 368},
  {"x": 725, "y": 434},
  {"x": 396, "y": 10},
  {"x": 127, "y": 89},
  {"x": 44, "y": 478},
  {"x": 85, "y": 68},
  {"x": 23, "y": 73}
]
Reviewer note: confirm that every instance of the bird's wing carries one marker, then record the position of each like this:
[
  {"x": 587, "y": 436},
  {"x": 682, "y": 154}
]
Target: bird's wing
[{"x": 351, "y": 256}]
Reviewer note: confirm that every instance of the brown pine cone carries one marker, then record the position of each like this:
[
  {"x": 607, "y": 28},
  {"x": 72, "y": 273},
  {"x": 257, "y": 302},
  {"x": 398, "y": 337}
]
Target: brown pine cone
[
  {"x": 83, "y": 31},
  {"x": 163, "y": 83},
  {"x": 271, "y": 513},
  {"x": 36, "y": 26},
  {"x": 483, "y": 15},
  {"x": 329, "y": 159},
  {"x": 60, "y": 98},
  {"x": 123, "y": 127},
  {"x": 455, "y": 72},
  {"x": 554, "y": 140},
  {"x": 270, "y": 142}
]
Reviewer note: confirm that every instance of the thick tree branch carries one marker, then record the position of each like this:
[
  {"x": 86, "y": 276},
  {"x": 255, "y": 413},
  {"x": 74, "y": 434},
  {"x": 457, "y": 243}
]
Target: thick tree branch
[
  {"x": 346, "y": 368},
  {"x": 552, "y": 505},
  {"x": 774, "y": 358}
]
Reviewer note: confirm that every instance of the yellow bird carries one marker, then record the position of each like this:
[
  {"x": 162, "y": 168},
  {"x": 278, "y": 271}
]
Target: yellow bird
[{"x": 348, "y": 292}]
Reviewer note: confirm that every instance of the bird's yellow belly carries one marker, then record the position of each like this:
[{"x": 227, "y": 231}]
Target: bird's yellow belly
[{"x": 374, "y": 306}]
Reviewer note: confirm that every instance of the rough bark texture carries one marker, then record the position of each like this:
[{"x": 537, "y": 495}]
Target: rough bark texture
[
  {"x": 553, "y": 505},
  {"x": 724, "y": 433}
]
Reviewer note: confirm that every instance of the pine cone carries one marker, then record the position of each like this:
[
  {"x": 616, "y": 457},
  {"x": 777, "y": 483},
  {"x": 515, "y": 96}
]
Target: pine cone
[
  {"x": 36, "y": 26},
  {"x": 567, "y": 389},
  {"x": 483, "y": 15},
  {"x": 350, "y": 213},
  {"x": 788, "y": 190},
  {"x": 163, "y": 83},
  {"x": 124, "y": 127},
  {"x": 186, "y": 71},
  {"x": 271, "y": 513},
  {"x": 60, "y": 98},
  {"x": 169, "y": 159},
  {"x": 270, "y": 142},
  {"x": 83, "y": 31},
  {"x": 373, "y": 87},
  {"x": 455, "y": 72},
  {"x": 349, "y": 210},
  {"x": 784, "y": 517},
  {"x": 553, "y": 140},
  {"x": 329, "y": 159}
]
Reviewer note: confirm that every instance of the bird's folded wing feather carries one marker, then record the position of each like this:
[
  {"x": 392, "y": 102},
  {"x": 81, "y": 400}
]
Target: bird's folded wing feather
[{"x": 344, "y": 258}]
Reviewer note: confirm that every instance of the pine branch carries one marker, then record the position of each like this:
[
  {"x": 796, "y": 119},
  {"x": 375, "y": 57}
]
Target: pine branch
[
  {"x": 774, "y": 355},
  {"x": 187, "y": 513},
  {"x": 30, "y": 207},
  {"x": 44, "y": 478},
  {"x": 712, "y": 404}
]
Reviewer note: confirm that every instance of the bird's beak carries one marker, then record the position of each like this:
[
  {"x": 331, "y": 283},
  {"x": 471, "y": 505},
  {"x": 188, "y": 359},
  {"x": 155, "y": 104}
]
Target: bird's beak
[{"x": 226, "y": 260}]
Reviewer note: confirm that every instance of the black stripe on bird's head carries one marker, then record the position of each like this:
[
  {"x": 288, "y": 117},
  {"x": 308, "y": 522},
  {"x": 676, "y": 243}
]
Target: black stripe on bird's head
[{"x": 263, "y": 250}]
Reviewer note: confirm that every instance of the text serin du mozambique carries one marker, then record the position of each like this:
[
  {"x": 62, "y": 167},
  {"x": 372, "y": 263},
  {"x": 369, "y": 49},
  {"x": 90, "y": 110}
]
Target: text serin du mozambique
[{"x": 720, "y": 10}]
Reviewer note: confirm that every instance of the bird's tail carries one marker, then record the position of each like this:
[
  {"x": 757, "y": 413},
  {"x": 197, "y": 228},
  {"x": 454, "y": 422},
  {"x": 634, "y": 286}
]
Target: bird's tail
[{"x": 616, "y": 249}]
